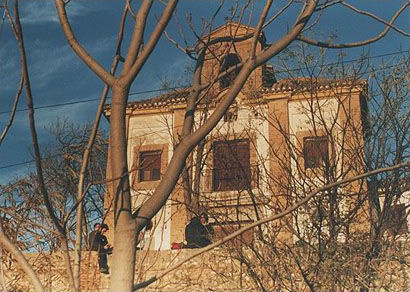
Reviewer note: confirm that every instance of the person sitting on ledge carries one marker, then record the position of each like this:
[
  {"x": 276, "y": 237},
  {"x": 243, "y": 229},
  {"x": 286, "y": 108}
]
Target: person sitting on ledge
[
  {"x": 104, "y": 249},
  {"x": 92, "y": 237},
  {"x": 197, "y": 234}
]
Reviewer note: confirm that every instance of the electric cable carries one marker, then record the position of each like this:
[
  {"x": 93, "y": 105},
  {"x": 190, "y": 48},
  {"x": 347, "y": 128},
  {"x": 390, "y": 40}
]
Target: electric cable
[
  {"x": 156, "y": 90},
  {"x": 176, "y": 88}
]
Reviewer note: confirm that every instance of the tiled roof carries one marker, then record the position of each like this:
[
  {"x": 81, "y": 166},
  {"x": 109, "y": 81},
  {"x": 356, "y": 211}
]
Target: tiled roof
[
  {"x": 173, "y": 98},
  {"x": 293, "y": 85},
  {"x": 231, "y": 26},
  {"x": 304, "y": 84}
]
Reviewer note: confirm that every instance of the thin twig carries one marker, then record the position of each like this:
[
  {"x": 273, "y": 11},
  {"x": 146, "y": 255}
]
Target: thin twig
[
  {"x": 268, "y": 219},
  {"x": 13, "y": 111},
  {"x": 389, "y": 25}
]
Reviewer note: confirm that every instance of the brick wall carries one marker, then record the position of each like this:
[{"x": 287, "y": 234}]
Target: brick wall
[{"x": 212, "y": 271}]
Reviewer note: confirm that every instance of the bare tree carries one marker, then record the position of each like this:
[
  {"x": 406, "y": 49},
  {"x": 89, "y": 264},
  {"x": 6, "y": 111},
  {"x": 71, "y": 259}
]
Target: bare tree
[
  {"x": 25, "y": 220},
  {"x": 18, "y": 33},
  {"x": 315, "y": 246},
  {"x": 128, "y": 224},
  {"x": 388, "y": 143}
]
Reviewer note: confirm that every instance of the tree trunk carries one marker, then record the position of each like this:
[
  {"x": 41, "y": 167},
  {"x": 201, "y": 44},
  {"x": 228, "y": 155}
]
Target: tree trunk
[
  {"x": 375, "y": 214},
  {"x": 123, "y": 259},
  {"x": 22, "y": 261}
]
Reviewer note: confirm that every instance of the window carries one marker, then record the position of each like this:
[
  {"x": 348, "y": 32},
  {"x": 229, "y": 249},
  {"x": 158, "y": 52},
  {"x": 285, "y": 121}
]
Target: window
[
  {"x": 268, "y": 75},
  {"x": 396, "y": 220},
  {"x": 149, "y": 165},
  {"x": 315, "y": 152},
  {"x": 229, "y": 61},
  {"x": 231, "y": 161}
]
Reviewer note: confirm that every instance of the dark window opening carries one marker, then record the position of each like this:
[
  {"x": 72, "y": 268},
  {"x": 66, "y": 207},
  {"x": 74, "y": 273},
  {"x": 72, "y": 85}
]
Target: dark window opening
[
  {"x": 149, "y": 165},
  {"x": 268, "y": 75},
  {"x": 230, "y": 60},
  {"x": 231, "y": 163},
  {"x": 396, "y": 220},
  {"x": 315, "y": 152},
  {"x": 231, "y": 114}
]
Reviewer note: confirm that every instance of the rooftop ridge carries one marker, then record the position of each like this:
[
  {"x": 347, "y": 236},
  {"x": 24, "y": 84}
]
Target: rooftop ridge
[{"x": 288, "y": 85}]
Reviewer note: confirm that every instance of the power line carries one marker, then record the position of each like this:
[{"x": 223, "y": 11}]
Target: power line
[
  {"x": 28, "y": 161},
  {"x": 156, "y": 90},
  {"x": 58, "y": 155},
  {"x": 175, "y": 88},
  {"x": 86, "y": 100},
  {"x": 17, "y": 164},
  {"x": 348, "y": 61}
]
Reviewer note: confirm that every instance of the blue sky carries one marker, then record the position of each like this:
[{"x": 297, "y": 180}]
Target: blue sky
[{"x": 57, "y": 75}]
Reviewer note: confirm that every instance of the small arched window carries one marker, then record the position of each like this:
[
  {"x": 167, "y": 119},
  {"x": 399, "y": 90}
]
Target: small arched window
[{"x": 230, "y": 60}]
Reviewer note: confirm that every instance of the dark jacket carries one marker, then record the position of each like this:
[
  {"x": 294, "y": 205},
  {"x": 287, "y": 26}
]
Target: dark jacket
[
  {"x": 196, "y": 234},
  {"x": 93, "y": 240},
  {"x": 102, "y": 242}
]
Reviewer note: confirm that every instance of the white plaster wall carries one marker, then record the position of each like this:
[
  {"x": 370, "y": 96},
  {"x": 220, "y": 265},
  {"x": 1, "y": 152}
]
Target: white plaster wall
[
  {"x": 250, "y": 123},
  {"x": 152, "y": 130},
  {"x": 258, "y": 122},
  {"x": 300, "y": 120},
  {"x": 403, "y": 199},
  {"x": 155, "y": 129}
]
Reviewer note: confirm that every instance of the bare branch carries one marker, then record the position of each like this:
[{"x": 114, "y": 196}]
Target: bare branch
[
  {"x": 269, "y": 219},
  {"x": 81, "y": 193},
  {"x": 128, "y": 5},
  {"x": 389, "y": 25},
  {"x": 153, "y": 40},
  {"x": 30, "y": 107},
  {"x": 278, "y": 46},
  {"x": 137, "y": 36},
  {"x": 259, "y": 27},
  {"x": 371, "y": 15},
  {"x": 283, "y": 9},
  {"x": 81, "y": 52},
  {"x": 36, "y": 147},
  {"x": 18, "y": 255},
  {"x": 177, "y": 45},
  {"x": 13, "y": 111},
  {"x": 327, "y": 4}
]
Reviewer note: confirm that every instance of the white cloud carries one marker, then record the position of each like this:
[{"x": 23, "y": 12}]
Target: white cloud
[
  {"x": 38, "y": 11},
  {"x": 48, "y": 62},
  {"x": 79, "y": 112},
  {"x": 45, "y": 11},
  {"x": 9, "y": 67}
]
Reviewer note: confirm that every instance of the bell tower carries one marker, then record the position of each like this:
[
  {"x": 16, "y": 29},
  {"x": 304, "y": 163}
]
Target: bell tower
[{"x": 232, "y": 50}]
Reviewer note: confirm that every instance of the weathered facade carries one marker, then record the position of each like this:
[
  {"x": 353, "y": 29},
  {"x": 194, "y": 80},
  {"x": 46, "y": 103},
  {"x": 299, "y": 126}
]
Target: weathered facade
[
  {"x": 275, "y": 132},
  {"x": 278, "y": 141}
]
